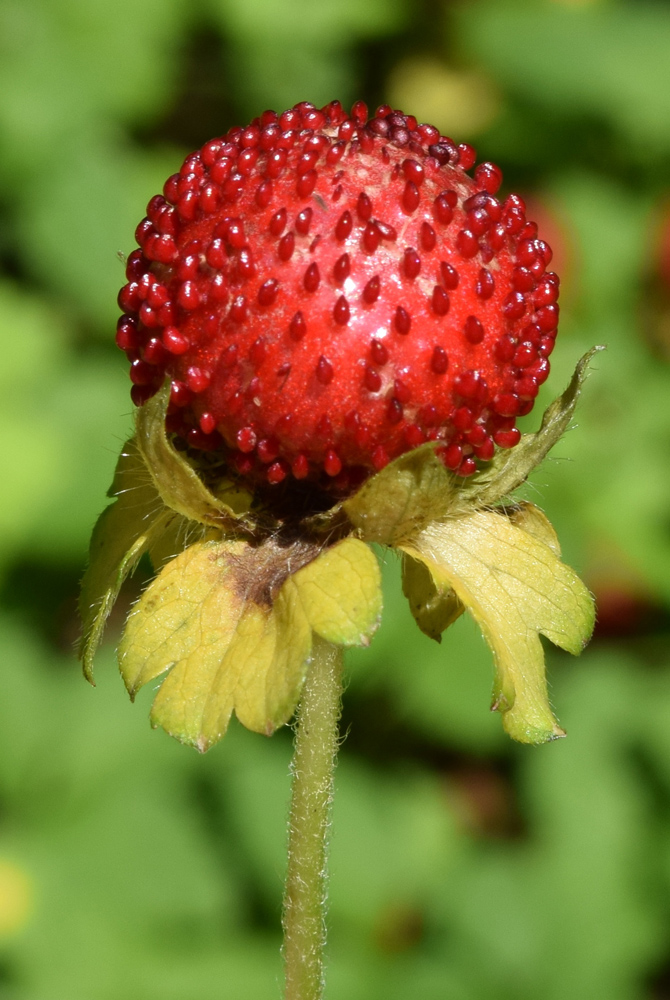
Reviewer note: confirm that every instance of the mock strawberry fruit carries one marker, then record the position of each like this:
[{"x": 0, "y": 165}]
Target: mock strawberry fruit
[{"x": 327, "y": 291}]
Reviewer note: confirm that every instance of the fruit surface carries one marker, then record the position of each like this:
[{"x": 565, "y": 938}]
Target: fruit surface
[{"x": 327, "y": 291}]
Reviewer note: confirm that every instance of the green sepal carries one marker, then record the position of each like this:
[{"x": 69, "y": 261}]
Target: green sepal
[
  {"x": 178, "y": 483},
  {"x": 506, "y": 572},
  {"x": 510, "y": 468},
  {"x": 434, "y": 609},
  {"x": 416, "y": 489},
  {"x": 124, "y": 531},
  {"x": 403, "y": 498}
]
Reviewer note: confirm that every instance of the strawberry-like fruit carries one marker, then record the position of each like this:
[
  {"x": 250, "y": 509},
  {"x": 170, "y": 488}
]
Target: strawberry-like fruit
[{"x": 327, "y": 291}]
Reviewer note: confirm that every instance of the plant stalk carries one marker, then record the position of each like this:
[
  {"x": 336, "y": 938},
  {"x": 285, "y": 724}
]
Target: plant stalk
[{"x": 313, "y": 768}]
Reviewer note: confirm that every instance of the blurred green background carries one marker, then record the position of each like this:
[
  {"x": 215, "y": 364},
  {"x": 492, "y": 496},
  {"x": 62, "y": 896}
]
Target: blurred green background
[{"x": 464, "y": 867}]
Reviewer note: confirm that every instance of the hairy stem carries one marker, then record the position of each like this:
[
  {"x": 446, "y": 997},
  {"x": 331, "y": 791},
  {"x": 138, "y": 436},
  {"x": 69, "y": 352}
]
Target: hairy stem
[{"x": 312, "y": 792}]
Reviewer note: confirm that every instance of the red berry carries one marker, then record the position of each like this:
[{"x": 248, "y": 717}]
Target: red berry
[{"x": 326, "y": 293}]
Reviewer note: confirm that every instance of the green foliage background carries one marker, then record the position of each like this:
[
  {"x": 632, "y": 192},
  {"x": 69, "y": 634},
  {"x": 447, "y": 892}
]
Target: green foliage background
[{"x": 463, "y": 866}]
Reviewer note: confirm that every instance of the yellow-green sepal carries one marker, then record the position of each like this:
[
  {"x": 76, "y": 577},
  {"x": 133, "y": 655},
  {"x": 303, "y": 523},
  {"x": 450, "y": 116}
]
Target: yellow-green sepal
[
  {"x": 416, "y": 489},
  {"x": 124, "y": 531},
  {"x": 231, "y": 626},
  {"x": 507, "y": 573},
  {"x": 510, "y": 468},
  {"x": 341, "y": 593},
  {"x": 403, "y": 498},
  {"x": 178, "y": 483},
  {"x": 226, "y": 641}
]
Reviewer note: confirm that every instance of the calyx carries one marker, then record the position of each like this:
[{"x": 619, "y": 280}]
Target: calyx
[{"x": 239, "y": 591}]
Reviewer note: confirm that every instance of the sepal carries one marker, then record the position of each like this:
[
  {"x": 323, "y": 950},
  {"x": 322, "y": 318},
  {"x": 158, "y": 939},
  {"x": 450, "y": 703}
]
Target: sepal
[
  {"x": 123, "y": 532},
  {"x": 506, "y": 572},
  {"x": 230, "y": 617},
  {"x": 176, "y": 481},
  {"x": 416, "y": 489},
  {"x": 161, "y": 506},
  {"x": 509, "y": 469},
  {"x": 403, "y": 498},
  {"x": 231, "y": 625},
  {"x": 341, "y": 592}
]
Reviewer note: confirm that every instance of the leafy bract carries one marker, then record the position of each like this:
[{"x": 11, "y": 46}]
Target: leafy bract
[
  {"x": 226, "y": 645},
  {"x": 515, "y": 586},
  {"x": 417, "y": 489},
  {"x": 341, "y": 593},
  {"x": 161, "y": 506},
  {"x": 124, "y": 531},
  {"x": 176, "y": 481},
  {"x": 232, "y": 628},
  {"x": 510, "y": 468}
]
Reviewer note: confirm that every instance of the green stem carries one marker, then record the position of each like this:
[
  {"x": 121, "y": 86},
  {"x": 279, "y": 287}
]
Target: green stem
[{"x": 311, "y": 796}]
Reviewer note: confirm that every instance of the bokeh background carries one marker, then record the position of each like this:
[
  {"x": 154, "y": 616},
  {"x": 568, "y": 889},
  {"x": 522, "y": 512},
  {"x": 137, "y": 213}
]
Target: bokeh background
[{"x": 464, "y": 867}]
